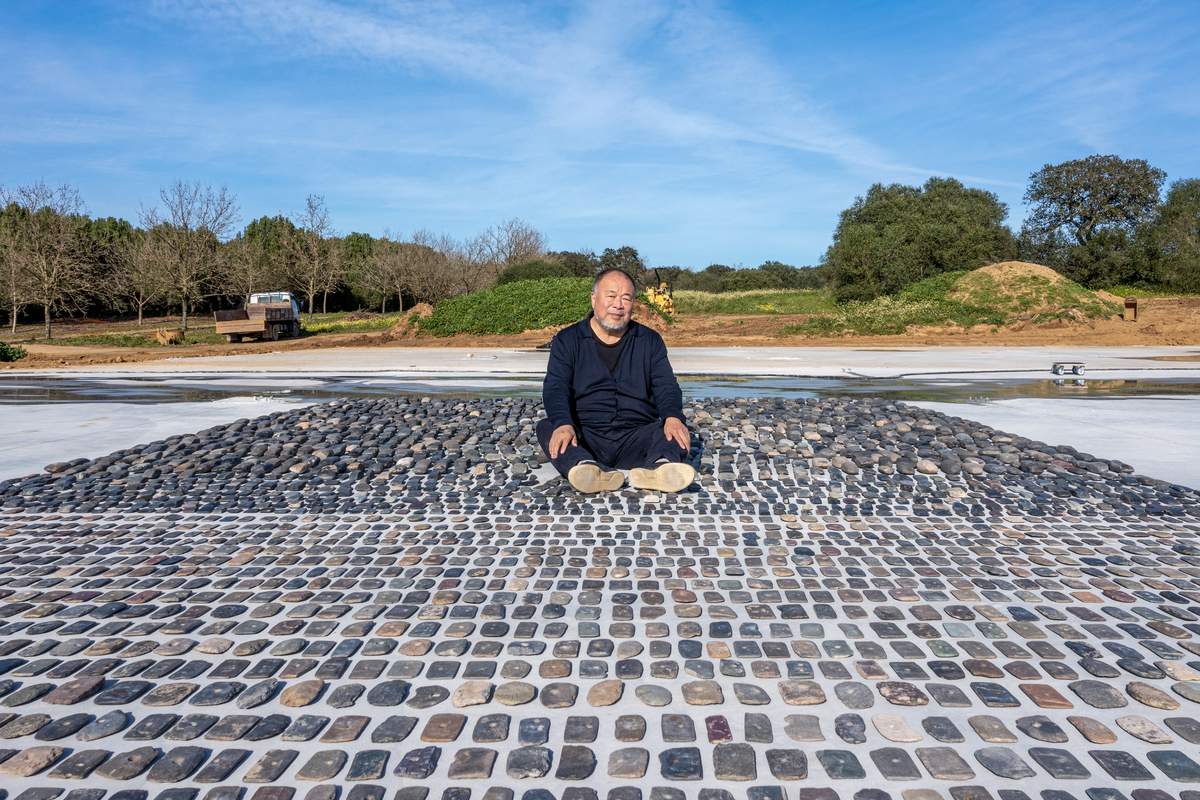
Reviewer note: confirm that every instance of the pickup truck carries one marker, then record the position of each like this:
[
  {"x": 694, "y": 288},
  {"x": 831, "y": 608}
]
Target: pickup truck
[{"x": 266, "y": 315}]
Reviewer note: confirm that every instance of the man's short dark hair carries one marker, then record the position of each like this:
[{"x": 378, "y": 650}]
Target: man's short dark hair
[{"x": 609, "y": 271}]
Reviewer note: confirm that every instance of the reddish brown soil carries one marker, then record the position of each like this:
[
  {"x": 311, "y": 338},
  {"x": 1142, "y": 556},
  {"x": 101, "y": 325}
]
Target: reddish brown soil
[{"x": 1166, "y": 321}]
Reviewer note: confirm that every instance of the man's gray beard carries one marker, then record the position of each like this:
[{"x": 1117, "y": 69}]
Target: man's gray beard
[{"x": 612, "y": 328}]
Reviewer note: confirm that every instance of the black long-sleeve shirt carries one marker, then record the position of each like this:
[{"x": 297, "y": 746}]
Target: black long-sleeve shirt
[{"x": 579, "y": 390}]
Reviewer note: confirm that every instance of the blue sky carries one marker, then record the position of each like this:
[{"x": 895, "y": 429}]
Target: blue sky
[{"x": 697, "y": 132}]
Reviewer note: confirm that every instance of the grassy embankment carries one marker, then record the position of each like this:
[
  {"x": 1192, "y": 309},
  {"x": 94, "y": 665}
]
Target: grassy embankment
[
  {"x": 963, "y": 299},
  {"x": 773, "y": 301}
]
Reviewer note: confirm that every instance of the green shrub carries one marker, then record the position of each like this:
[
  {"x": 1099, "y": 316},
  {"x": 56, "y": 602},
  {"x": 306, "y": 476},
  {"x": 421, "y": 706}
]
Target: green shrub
[
  {"x": 534, "y": 271},
  {"x": 377, "y": 322},
  {"x": 512, "y": 308},
  {"x": 11, "y": 352}
]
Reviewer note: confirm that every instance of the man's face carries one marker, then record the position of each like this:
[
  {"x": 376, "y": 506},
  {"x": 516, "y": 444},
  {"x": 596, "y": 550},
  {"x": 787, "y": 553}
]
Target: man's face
[{"x": 612, "y": 302}]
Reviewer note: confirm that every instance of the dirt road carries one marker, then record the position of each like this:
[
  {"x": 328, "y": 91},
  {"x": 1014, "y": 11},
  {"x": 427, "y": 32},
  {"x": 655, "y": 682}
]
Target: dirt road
[{"x": 1169, "y": 321}]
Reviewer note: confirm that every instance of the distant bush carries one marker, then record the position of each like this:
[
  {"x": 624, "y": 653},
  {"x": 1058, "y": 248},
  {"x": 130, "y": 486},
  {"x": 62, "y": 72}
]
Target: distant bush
[
  {"x": 512, "y": 308},
  {"x": 771, "y": 301},
  {"x": 534, "y": 271},
  {"x": 11, "y": 352},
  {"x": 897, "y": 235},
  {"x": 770, "y": 275}
]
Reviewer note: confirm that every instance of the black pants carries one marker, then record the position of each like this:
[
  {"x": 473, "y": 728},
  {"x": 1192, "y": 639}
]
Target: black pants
[{"x": 637, "y": 447}]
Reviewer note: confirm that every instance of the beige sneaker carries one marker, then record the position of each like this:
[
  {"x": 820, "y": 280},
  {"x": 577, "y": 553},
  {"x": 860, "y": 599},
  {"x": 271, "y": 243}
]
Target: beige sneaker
[
  {"x": 589, "y": 478},
  {"x": 666, "y": 477}
]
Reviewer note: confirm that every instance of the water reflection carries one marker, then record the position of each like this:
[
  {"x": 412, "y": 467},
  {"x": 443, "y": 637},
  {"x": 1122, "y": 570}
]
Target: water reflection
[{"x": 27, "y": 390}]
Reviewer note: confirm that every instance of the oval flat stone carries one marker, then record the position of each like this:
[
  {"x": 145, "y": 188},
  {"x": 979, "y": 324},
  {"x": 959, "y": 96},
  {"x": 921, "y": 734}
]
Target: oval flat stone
[
  {"x": 1004, "y": 762},
  {"x": 259, "y": 693},
  {"x": 515, "y": 693},
  {"x": 559, "y": 695},
  {"x": 702, "y": 693},
  {"x": 427, "y": 696},
  {"x": 1188, "y": 690},
  {"x": 177, "y": 764},
  {"x": 1151, "y": 696},
  {"x": 1144, "y": 729},
  {"x": 31, "y": 761},
  {"x": 896, "y": 764},
  {"x": 62, "y": 727},
  {"x": 1093, "y": 730},
  {"x": 801, "y": 693},
  {"x": 125, "y": 766},
  {"x": 945, "y": 764},
  {"x": 853, "y": 695},
  {"x": 1060, "y": 764},
  {"x": 25, "y": 725},
  {"x": 605, "y": 693},
  {"x": 169, "y": 694},
  {"x": 302, "y": 694},
  {"x": 750, "y": 695},
  {"x": 217, "y": 693},
  {"x": 74, "y": 691},
  {"x": 850, "y": 728},
  {"x": 1098, "y": 695},
  {"x": 1041, "y": 728},
  {"x": 471, "y": 693},
  {"x": 652, "y": 695},
  {"x": 991, "y": 729},
  {"x": 901, "y": 693},
  {"x": 895, "y": 729},
  {"x": 105, "y": 725},
  {"x": 323, "y": 765}
]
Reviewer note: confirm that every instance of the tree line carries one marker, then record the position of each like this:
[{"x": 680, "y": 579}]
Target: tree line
[
  {"x": 1100, "y": 220},
  {"x": 186, "y": 254}
]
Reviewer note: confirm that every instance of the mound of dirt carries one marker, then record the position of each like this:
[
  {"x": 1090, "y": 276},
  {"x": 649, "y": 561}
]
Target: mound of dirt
[
  {"x": 648, "y": 317},
  {"x": 1031, "y": 293},
  {"x": 406, "y": 327}
]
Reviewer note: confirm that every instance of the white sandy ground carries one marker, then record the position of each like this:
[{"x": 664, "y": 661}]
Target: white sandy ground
[
  {"x": 37, "y": 435},
  {"x": 796, "y": 361},
  {"x": 1158, "y": 436}
]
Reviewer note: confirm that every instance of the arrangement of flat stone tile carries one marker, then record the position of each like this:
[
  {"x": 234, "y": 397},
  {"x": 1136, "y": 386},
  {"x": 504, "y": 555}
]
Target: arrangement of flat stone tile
[{"x": 825, "y": 617}]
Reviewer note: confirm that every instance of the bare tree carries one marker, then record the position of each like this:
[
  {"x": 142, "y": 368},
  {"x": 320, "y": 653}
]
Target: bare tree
[
  {"x": 513, "y": 241},
  {"x": 194, "y": 220},
  {"x": 246, "y": 267},
  {"x": 139, "y": 278},
  {"x": 316, "y": 267},
  {"x": 415, "y": 268},
  {"x": 51, "y": 248}
]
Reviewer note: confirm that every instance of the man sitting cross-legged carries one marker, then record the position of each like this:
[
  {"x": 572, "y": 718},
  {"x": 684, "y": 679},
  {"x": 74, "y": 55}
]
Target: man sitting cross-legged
[{"x": 612, "y": 401}]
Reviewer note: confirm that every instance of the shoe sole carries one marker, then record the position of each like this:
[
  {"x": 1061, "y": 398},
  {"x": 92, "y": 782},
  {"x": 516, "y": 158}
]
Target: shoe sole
[
  {"x": 666, "y": 478},
  {"x": 589, "y": 479}
]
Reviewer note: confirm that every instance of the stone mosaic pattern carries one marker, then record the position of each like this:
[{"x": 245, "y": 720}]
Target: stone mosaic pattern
[{"x": 860, "y": 600}]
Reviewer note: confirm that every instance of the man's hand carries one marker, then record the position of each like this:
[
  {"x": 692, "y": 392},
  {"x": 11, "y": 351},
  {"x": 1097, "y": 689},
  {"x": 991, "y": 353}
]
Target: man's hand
[
  {"x": 562, "y": 438},
  {"x": 677, "y": 432}
]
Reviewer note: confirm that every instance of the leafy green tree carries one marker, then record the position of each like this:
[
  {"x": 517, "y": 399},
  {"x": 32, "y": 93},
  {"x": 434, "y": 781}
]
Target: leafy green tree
[
  {"x": 535, "y": 270},
  {"x": 1173, "y": 237},
  {"x": 354, "y": 250},
  {"x": 1086, "y": 196},
  {"x": 897, "y": 235},
  {"x": 1084, "y": 217},
  {"x": 624, "y": 258},
  {"x": 582, "y": 264}
]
